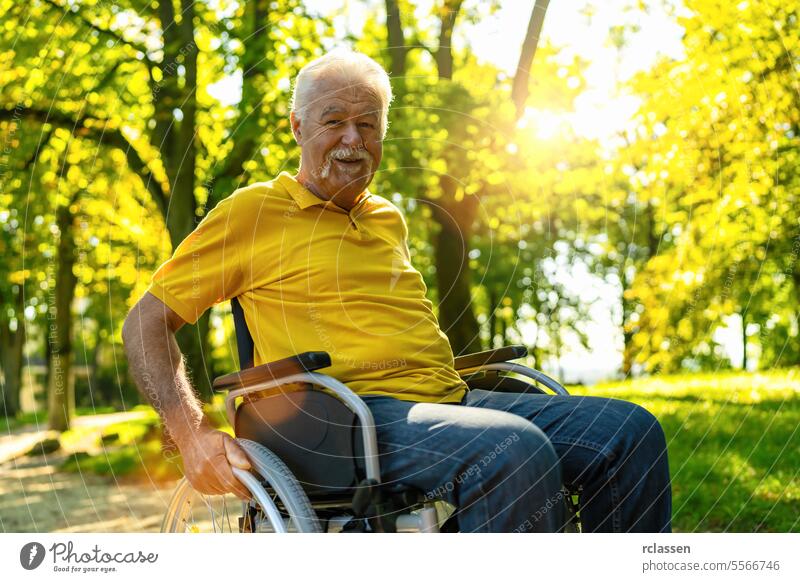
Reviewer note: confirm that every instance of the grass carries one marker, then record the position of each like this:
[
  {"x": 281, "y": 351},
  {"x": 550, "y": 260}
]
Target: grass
[
  {"x": 141, "y": 462},
  {"x": 734, "y": 446},
  {"x": 132, "y": 450},
  {"x": 40, "y": 417}
]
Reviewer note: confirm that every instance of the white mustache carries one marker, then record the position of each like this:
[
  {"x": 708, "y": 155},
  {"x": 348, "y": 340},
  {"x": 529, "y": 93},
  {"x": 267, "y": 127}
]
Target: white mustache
[{"x": 344, "y": 154}]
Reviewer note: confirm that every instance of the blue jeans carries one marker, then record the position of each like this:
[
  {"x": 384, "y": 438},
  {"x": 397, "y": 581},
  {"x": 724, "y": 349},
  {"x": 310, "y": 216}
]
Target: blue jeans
[{"x": 501, "y": 459}]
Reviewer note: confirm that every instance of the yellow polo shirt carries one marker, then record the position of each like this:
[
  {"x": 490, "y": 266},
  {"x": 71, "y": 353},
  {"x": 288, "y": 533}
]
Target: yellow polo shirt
[{"x": 311, "y": 276}]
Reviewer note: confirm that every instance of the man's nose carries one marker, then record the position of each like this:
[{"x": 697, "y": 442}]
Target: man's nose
[{"x": 351, "y": 136}]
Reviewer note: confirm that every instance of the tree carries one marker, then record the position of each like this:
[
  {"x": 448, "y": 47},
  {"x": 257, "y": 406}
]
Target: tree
[
  {"x": 453, "y": 210},
  {"x": 21, "y": 248},
  {"x": 12, "y": 319},
  {"x": 722, "y": 146},
  {"x": 137, "y": 79}
]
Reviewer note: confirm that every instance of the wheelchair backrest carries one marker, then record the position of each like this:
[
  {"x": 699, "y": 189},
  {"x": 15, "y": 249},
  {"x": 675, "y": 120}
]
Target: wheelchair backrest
[
  {"x": 244, "y": 341},
  {"x": 314, "y": 433}
]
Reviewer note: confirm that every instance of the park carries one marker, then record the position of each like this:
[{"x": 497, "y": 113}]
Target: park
[{"x": 610, "y": 186}]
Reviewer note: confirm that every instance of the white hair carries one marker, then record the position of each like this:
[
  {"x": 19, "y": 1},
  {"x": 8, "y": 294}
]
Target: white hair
[{"x": 356, "y": 68}]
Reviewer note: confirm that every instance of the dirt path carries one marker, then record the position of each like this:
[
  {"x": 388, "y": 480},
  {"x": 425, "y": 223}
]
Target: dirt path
[
  {"x": 36, "y": 497},
  {"x": 21, "y": 439}
]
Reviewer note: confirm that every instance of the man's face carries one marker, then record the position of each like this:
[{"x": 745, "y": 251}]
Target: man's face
[{"x": 340, "y": 139}]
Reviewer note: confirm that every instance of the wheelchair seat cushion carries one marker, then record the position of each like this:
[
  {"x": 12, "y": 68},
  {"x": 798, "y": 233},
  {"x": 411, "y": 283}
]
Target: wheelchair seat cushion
[{"x": 314, "y": 433}]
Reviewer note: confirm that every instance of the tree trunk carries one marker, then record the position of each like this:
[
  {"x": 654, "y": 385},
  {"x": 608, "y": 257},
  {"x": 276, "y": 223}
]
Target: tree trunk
[
  {"x": 453, "y": 282},
  {"x": 179, "y": 153},
  {"x": 455, "y": 220},
  {"x": 192, "y": 339},
  {"x": 627, "y": 332},
  {"x": 103, "y": 392},
  {"x": 454, "y": 217},
  {"x": 558, "y": 348},
  {"x": 535, "y": 350},
  {"x": 11, "y": 348},
  {"x": 796, "y": 278},
  {"x": 60, "y": 383},
  {"x": 519, "y": 90},
  {"x": 453, "y": 275},
  {"x": 640, "y": 256},
  {"x": 248, "y": 133},
  {"x": 493, "y": 307},
  {"x": 397, "y": 42},
  {"x": 444, "y": 54},
  {"x": 744, "y": 340},
  {"x": 194, "y": 344}
]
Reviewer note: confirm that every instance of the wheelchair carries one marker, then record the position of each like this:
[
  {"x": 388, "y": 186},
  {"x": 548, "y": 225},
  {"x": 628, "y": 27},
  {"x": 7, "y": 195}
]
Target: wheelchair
[{"x": 313, "y": 450}]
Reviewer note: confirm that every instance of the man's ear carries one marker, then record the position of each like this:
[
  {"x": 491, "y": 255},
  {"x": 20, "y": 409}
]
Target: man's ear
[{"x": 295, "y": 123}]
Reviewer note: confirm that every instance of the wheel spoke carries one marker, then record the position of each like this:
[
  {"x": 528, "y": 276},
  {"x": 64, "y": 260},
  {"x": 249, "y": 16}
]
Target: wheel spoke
[
  {"x": 211, "y": 510},
  {"x": 227, "y": 514},
  {"x": 278, "y": 501}
]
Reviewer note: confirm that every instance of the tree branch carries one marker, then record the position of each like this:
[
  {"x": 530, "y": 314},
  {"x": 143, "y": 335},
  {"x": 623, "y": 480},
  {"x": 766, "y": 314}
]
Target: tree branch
[
  {"x": 39, "y": 148},
  {"x": 444, "y": 54},
  {"x": 519, "y": 89},
  {"x": 106, "y": 79},
  {"x": 255, "y": 70},
  {"x": 418, "y": 43},
  {"x": 104, "y": 31},
  {"x": 101, "y": 135}
]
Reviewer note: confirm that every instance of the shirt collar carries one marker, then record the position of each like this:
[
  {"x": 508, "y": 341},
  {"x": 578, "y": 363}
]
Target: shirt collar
[{"x": 305, "y": 198}]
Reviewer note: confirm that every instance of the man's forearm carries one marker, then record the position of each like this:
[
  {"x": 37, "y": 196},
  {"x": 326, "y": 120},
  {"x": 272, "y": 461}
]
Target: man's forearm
[{"x": 156, "y": 364}]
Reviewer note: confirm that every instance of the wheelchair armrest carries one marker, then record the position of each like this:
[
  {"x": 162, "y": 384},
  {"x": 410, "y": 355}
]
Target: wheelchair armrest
[
  {"x": 305, "y": 362},
  {"x": 478, "y": 359}
]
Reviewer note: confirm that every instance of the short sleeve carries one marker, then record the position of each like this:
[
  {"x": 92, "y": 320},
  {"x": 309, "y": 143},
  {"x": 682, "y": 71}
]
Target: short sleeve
[{"x": 205, "y": 269}]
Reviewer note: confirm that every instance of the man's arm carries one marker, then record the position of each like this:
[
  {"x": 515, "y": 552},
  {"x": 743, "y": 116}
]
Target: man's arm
[{"x": 156, "y": 363}]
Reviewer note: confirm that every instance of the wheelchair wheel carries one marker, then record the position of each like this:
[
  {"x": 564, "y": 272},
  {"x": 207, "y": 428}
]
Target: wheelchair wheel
[
  {"x": 192, "y": 512},
  {"x": 282, "y": 506}
]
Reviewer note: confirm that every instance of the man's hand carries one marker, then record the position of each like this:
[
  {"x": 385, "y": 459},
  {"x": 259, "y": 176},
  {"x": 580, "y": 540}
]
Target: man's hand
[
  {"x": 208, "y": 456},
  {"x": 157, "y": 365}
]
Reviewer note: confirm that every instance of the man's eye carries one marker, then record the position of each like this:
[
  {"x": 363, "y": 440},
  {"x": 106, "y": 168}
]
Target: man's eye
[
  {"x": 333, "y": 122},
  {"x": 367, "y": 125}
]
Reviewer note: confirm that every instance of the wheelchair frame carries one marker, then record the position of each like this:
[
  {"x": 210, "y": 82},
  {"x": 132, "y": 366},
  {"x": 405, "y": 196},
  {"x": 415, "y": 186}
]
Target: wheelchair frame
[{"x": 301, "y": 369}]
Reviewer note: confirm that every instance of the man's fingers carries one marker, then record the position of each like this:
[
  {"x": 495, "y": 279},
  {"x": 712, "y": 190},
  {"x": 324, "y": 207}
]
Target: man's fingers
[
  {"x": 236, "y": 456},
  {"x": 206, "y": 486},
  {"x": 231, "y": 484},
  {"x": 220, "y": 483},
  {"x": 233, "y": 456},
  {"x": 212, "y": 464}
]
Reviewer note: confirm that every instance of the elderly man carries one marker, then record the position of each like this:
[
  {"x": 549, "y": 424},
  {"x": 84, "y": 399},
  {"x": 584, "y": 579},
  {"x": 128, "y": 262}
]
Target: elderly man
[{"x": 320, "y": 263}]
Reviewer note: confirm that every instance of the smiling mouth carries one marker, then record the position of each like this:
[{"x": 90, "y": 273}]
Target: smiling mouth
[{"x": 350, "y": 161}]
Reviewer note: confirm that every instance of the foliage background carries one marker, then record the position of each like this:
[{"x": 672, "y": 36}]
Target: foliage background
[{"x": 116, "y": 140}]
